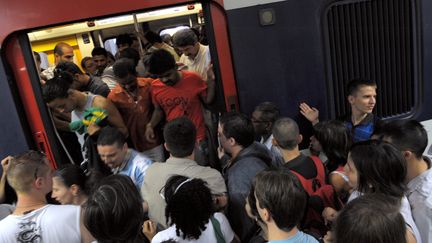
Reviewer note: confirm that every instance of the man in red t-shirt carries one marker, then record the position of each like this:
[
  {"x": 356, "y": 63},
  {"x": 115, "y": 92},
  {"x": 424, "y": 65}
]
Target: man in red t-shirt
[
  {"x": 132, "y": 98},
  {"x": 178, "y": 93}
]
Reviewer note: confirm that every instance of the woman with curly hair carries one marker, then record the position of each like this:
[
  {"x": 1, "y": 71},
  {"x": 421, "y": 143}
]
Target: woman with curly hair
[{"x": 190, "y": 214}]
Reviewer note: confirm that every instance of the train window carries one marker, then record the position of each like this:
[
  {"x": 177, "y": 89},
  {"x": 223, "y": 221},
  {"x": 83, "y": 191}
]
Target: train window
[{"x": 373, "y": 40}]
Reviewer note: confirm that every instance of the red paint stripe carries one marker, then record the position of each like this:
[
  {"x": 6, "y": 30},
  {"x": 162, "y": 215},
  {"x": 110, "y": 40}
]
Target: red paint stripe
[
  {"x": 15, "y": 58},
  {"x": 224, "y": 54}
]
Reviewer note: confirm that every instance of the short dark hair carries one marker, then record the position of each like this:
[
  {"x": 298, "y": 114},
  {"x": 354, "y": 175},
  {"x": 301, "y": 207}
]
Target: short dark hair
[
  {"x": 354, "y": 85},
  {"x": 84, "y": 60},
  {"x": 57, "y": 87},
  {"x": 93, "y": 178},
  {"x": 380, "y": 168},
  {"x": 99, "y": 51},
  {"x": 72, "y": 175},
  {"x": 189, "y": 205},
  {"x": 114, "y": 212},
  {"x": 145, "y": 62},
  {"x": 335, "y": 140},
  {"x": 238, "y": 126},
  {"x": 269, "y": 111},
  {"x": 58, "y": 48},
  {"x": 286, "y": 132},
  {"x": 110, "y": 56},
  {"x": 197, "y": 30},
  {"x": 130, "y": 53},
  {"x": 161, "y": 61},
  {"x": 280, "y": 192},
  {"x": 69, "y": 67},
  {"x": 180, "y": 137},
  {"x": 123, "y": 67},
  {"x": 111, "y": 136},
  {"x": 124, "y": 39},
  {"x": 185, "y": 37},
  {"x": 371, "y": 218},
  {"x": 406, "y": 135},
  {"x": 166, "y": 38},
  {"x": 152, "y": 37}
]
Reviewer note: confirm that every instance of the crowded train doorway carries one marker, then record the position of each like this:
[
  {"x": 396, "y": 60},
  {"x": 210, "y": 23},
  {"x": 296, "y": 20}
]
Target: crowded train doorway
[{"x": 86, "y": 34}]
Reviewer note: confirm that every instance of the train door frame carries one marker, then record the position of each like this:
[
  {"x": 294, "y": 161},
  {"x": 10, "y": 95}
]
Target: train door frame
[{"x": 18, "y": 55}]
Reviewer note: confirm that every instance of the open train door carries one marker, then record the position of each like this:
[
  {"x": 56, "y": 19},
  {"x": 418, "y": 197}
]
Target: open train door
[{"x": 26, "y": 122}]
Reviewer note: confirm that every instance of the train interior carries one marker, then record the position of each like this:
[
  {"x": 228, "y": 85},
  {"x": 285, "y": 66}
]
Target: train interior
[{"x": 85, "y": 35}]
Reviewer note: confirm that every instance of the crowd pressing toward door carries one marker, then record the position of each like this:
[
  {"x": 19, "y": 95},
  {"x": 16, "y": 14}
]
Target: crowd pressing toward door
[{"x": 150, "y": 163}]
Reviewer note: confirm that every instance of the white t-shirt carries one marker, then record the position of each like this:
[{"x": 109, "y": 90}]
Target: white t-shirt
[
  {"x": 420, "y": 198},
  {"x": 200, "y": 63},
  {"x": 207, "y": 236},
  {"x": 51, "y": 223}
]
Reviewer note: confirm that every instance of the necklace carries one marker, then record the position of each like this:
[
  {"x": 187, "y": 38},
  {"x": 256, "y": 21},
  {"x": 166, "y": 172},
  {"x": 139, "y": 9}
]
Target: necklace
[{"x": 31, "y": 208}]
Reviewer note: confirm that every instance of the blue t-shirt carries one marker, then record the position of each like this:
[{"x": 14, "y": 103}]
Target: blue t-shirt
[
  {"x": 362, "y": 131},
  {"x": 136, "y": 167},
  {"x": 299, "y": 237}
]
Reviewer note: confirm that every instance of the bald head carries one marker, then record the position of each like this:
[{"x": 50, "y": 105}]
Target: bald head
[
  {"x": 63, "y": 52},
  {"x": 286, "y": 133}
]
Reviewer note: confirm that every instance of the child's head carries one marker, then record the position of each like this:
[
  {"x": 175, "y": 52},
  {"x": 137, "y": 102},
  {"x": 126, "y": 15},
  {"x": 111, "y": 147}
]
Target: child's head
[{"x": 376, "y": 166}]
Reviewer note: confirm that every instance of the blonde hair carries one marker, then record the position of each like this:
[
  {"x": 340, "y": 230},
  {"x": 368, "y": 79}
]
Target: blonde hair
[{"x": 25, "y": 168}]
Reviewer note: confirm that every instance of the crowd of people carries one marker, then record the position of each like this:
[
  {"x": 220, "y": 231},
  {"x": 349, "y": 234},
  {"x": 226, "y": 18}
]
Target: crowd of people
[{"x": 140, "y": 139}]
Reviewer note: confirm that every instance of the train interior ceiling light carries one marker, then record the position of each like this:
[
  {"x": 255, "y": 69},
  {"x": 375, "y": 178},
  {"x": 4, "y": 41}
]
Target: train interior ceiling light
[{"x": 116, "y": 21}]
